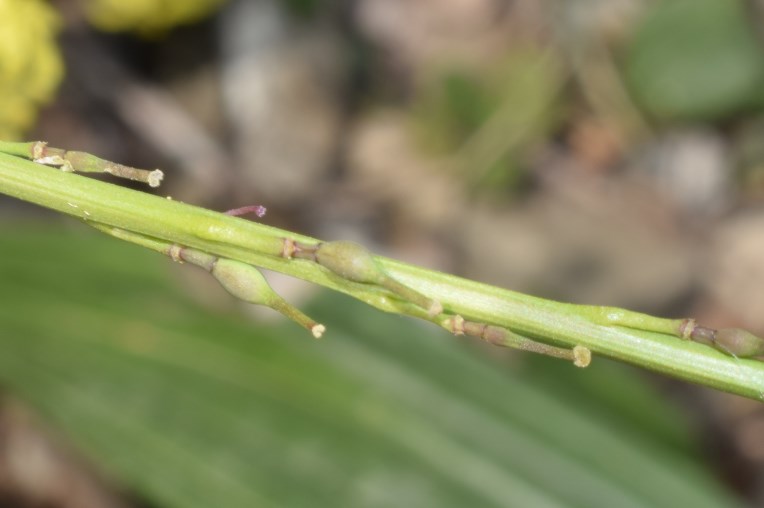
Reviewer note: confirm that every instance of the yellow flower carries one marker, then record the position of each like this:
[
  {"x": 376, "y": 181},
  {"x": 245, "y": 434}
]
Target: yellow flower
[
  {"x": 147, "y": 16},
  {"x": 30, "y": 63}
]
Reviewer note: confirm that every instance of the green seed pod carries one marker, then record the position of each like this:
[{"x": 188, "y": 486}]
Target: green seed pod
[
  {"x": 355, "y": 263},
  {"x": 739, "y": 342},
  {"x": 247, "y": 283},
  {"x": 243, "y": 281},
  {"x": 350, "y": 261}
]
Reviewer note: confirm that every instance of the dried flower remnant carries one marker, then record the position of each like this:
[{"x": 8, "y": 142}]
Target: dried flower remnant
[{"x": 258, "y": 210}]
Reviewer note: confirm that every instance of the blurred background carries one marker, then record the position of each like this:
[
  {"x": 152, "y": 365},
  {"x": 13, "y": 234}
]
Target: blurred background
[{"x": 593, "y": 151}]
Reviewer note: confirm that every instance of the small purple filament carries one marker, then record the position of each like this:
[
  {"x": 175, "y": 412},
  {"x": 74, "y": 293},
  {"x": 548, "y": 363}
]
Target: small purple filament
[{"x": 258, "y": 210}]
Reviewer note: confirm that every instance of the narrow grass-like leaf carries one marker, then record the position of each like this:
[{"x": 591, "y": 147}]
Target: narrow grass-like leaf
[{"x": 195, "y": 408}]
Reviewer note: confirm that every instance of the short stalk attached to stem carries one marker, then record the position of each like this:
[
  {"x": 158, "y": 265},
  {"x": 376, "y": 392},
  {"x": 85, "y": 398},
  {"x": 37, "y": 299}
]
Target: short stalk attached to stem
[
  {"x": 498, "y": 336},
  {"x": 83, "y": 162}
]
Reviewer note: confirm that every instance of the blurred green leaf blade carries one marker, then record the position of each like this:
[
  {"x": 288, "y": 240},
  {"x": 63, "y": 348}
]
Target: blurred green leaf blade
[
  {"x": 194, "y": 408},
  {"x": 696, "y": 60}
]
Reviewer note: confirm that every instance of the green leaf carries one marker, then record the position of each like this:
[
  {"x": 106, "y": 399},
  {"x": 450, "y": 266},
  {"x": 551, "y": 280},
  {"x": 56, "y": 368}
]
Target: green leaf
[
  {"x": 696, "y": 59},
  {"x": 196, "y": 408},
  {"x": 491, "y": 117}
]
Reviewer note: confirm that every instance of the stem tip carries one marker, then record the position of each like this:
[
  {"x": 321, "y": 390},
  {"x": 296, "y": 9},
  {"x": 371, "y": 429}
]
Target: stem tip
[
  {"x": 582, "y": 356},
  {"x": 155, "y": 178},
  {"x": 317, "y": 330}
]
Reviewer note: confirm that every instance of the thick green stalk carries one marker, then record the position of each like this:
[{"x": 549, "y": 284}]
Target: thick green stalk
[{"x": 631, "y": 337}]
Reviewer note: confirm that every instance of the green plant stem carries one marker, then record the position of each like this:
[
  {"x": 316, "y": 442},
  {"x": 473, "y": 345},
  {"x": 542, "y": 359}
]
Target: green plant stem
[{"x": 644, "y": 340}]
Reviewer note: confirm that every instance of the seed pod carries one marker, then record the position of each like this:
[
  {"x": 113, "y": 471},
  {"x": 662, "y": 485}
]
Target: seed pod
[
  {"x": 350, "y": 261},
  {"x": 739, "y": 342},
  {"x": 247, "y": 283},
  {"x": 355, "y": 263},
  {"x": 243, "y": 281}
]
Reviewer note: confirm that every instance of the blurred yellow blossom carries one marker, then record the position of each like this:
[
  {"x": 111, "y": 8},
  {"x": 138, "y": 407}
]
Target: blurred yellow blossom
[
  {"x": 147, "y": 16},
  {"x": 30, "y": 63}
]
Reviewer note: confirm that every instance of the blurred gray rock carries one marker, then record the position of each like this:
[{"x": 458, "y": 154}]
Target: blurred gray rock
[
  {"x": 735, "y": 273},
  {"x": 386, "y": 166},
  {"x": 419, "y": 34},
  {"x": 585, "y": 241},
  {"x": 694, "y": 169},
  {"x": 282, "y": 90}
]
